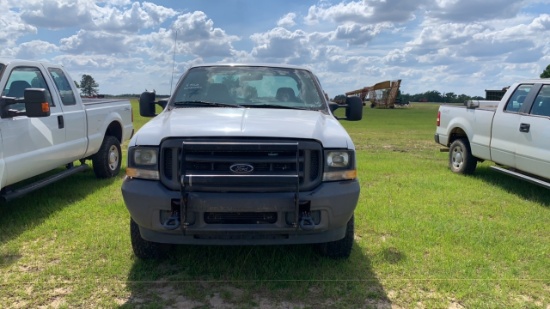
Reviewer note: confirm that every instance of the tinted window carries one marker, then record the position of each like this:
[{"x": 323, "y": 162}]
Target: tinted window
[
  {"x": 541, "y": 105},
  {"x": 62, "y": 84},
  {"x": 516, "y": 100},
  {"x": 251, "y": 86},
  {"x": 20, "y": 79}
]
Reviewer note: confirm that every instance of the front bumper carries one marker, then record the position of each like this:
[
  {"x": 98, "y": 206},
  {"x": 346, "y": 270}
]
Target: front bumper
[{"x": 331, "y": 203}]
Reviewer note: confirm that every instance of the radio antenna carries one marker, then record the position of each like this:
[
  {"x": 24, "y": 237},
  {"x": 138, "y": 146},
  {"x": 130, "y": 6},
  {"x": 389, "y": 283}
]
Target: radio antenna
[{"x": 173, "y": 61}]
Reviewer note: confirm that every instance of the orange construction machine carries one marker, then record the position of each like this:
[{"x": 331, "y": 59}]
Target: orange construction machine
[{"x": 380, "y": 95}]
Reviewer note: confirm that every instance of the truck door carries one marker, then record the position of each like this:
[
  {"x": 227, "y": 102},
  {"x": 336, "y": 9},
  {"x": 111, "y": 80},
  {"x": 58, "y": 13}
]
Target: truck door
[
  {"x": 74, "y": 115},
  {"x": 30, "y": 145},
  {"x": 533, "y": 151},
  {"x": 505, "y": 128}
]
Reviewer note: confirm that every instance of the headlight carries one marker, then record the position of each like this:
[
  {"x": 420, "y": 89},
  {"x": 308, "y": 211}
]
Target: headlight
[
  {"x": 145, "y": 156},
  {"x": 143, "y": 163},
  {"x": 339, "y": 165},
  {"x": 337, "y": 159}
]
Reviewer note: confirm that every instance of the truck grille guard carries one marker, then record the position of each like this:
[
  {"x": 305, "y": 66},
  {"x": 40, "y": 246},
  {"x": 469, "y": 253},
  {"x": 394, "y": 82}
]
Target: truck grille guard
[{"x": 241, "y": 166}]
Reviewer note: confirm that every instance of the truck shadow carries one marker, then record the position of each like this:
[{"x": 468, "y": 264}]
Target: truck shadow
[
  {"x": 250, "y": 276},
  {"x": 21, "y": 214},
  {"x": 522, "y": 188}
]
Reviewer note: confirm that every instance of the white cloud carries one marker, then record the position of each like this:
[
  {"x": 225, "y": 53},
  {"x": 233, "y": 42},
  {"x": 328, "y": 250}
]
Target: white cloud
[
  {"x": 355, "y": 34},
  {"x": 287, "y": 21},
  {"x": 364, "y": 12},
  {"x": 57, "y": 14},
  {"x": 280, "y": 44},
  {"x": 95, "y": 43},
  {"x": 455, "y": 45},
  {"x": 474, "y": 10},
  {"x": 12, "y": 27},
  {"x": 197, "y": 35},
  {"x": 35, "y": 49}
]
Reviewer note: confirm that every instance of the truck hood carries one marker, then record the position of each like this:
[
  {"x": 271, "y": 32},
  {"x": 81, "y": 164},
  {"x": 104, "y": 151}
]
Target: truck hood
[{"x": 244, "y": 122}]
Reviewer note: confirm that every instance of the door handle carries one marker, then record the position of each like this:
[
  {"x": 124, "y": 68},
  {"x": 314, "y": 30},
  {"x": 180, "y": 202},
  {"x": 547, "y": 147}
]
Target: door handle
[
  {"x": 524, "y": 127},
  {"x": 60, "y": 122}
]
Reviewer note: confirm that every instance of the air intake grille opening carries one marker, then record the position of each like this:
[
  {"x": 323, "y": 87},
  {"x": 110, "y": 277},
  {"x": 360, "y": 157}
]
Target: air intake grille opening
[{"x": 240, "y": 217}]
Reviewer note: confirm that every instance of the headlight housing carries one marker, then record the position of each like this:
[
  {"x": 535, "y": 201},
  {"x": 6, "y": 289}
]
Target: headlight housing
[
  {"x": 143, "y": 163},
  {"x": 339, "y": 165}
]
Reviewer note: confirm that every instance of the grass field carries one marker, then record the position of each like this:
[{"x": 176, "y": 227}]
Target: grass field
[{"x": 425, "y": 238}]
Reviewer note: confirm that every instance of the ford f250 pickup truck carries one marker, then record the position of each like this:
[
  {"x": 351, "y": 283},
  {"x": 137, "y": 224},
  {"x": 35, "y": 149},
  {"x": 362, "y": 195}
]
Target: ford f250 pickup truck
[
  {"x": 243, "y": 155},
  {"x": 513, "y": 132},
  {"x": 44, "y": 125}
]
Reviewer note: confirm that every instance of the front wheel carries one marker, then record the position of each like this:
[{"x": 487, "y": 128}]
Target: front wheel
[
  {"x": 108, "y": 159},
  {"x": 143, "y": 249},
  {"x": 339, "y": 249},
  {"x": 461, "y": 160}
]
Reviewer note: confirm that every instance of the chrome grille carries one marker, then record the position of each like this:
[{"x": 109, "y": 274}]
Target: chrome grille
[{"x": 206, "y": 164}]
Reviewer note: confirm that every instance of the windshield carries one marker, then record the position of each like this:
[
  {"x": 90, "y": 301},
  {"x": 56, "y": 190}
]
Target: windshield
[{"x": 249, "y": 86}]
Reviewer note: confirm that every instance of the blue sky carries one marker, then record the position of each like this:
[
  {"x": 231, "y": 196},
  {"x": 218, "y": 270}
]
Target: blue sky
[{"x": 460, "y": 46}]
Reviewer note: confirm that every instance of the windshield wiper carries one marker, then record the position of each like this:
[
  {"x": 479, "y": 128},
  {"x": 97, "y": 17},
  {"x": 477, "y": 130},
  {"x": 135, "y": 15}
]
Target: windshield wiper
[
  {"x": 273, "y": 106},
  {"x": 205, "y": 103}
]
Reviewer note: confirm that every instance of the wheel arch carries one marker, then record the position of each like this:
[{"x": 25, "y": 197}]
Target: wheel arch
[
  {"x": 114, "y": 129},
  {"x": 457, "y": 133}
]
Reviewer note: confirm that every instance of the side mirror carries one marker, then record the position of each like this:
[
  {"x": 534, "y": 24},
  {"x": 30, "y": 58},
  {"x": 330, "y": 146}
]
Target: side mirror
[
  {"x": 147, "y": 104},
  {"x": 354, "y": 108},
  {"x": 36, "y": 102}
]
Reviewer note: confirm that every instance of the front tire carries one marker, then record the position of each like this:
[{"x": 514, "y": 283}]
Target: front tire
[
  {"x": 146, "y": 250},
  {"x": 461, "y": 160},
  {"x": 108, "y": 159},
  {"x": 339, "y": 249}
]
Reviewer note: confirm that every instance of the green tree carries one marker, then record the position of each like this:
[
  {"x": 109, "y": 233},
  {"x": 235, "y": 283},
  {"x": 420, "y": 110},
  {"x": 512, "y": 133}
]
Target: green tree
[
  {"x": 450, "y": 97},
  {"x": 88, "y": 86},
  {"x": 546, "y": 73}
]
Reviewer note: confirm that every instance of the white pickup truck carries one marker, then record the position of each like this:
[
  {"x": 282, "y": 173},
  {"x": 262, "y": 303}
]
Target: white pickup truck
[
  {"x": 513, "y": 132},
  {"x": 243, "y": 155},
  {"x": 44, "y": 125}
]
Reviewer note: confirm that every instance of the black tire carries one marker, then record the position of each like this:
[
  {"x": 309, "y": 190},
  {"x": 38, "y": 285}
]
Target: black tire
[
  {"x": 461, "y": 160},
  {"x": 354, "y": 109},
  {"x": 108, "y": 159},
  {"x": 146, "y": 250},
  {"x": 339, "y": 249}
]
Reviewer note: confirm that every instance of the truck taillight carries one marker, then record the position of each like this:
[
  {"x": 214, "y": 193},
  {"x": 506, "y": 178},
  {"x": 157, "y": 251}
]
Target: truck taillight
[{"x": 438, "y": 118}]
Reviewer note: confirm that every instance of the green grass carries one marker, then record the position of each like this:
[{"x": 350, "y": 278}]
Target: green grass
[{"x": 425, "y": 238}]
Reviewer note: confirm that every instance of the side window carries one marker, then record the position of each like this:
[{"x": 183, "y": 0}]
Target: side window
[
  {"x": 65, "y": 90},
  {"x": 20, "y": 79},
  {"x": 516, "y": 100},
  {"x": 541, "y": 106}
]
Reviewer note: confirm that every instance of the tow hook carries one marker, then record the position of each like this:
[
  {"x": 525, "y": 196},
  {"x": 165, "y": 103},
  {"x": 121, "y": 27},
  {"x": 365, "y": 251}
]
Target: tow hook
[
  {"x": 306, "y": 221},
  {"x": 173, "y": 222}
]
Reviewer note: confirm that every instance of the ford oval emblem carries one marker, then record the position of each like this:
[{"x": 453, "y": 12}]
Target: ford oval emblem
[{"x": 241, "y": 168}]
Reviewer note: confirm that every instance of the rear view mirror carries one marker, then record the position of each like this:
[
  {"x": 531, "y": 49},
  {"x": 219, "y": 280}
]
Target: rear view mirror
[
  {"x": 353, "y": 106},
  {"x": 36, "y": 102},
  {"x": 147, "y": 104}
]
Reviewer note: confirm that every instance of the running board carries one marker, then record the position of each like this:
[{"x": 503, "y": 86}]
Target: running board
[
  {"x": 534, "y": 180},
  {"x": 13, "y": 194}
]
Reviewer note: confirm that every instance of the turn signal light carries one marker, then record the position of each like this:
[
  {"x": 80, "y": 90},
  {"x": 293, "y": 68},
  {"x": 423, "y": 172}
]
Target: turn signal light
[{"x": 45, "y": 107}]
